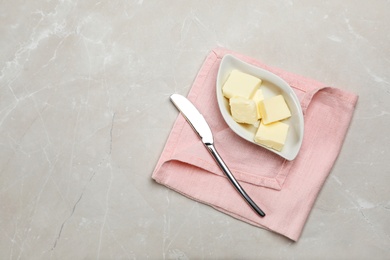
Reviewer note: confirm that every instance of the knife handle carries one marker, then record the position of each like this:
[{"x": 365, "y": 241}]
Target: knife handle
[{"x": 233, "y": 180}]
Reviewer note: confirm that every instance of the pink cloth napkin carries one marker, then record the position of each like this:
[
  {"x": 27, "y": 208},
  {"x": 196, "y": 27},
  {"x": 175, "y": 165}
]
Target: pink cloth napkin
[{"x": 285, "y": 190}]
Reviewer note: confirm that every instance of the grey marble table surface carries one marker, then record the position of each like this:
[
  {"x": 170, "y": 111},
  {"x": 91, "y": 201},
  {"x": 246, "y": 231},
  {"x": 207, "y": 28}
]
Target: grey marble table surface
[{"x": 85, "y": 114}]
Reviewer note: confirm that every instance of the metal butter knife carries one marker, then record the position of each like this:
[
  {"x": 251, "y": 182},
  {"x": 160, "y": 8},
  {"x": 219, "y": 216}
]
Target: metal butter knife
[{"x": 200, "y": 126}]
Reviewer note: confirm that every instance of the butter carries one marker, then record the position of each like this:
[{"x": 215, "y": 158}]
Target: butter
[
  {"x": 243, "y": 110},
  {"x": 272, "y": 135},
  {"x": 274, "y": 109},
  {"x": 258, "y": 97},
  {"x": 240, "y": 84}
]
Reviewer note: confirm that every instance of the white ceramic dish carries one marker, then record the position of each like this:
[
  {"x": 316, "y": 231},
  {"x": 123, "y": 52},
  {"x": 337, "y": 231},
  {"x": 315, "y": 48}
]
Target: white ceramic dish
[{"x": 272, "y": 85}]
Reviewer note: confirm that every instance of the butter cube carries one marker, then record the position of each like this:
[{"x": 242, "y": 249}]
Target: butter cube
[
  {"x": 272, "y": 135},
  {"x": 240, "y": 84},
  {"x": 258, "y": 97},
  {"x": 274, "y": 109},
  {"x": 243, "y": 110}
]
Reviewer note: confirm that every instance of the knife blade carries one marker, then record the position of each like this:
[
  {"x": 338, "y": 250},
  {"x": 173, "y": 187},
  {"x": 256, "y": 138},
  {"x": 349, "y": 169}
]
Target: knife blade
[{"x": 200, "y": 126}]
